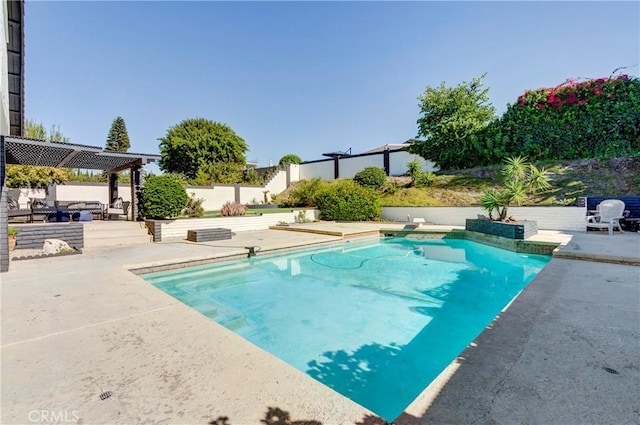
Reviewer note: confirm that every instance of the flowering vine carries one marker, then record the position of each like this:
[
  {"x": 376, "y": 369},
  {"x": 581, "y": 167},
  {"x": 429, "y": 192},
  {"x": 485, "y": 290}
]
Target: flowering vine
[{"x": 571, "y": 92}]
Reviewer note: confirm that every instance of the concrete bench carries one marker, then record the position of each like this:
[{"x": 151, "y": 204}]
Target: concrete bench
[{"x": 206, "y": 235}]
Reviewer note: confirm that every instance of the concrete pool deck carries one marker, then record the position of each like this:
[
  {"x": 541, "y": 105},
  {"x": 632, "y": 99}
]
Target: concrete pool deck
[{"x": 77, "y": 326}]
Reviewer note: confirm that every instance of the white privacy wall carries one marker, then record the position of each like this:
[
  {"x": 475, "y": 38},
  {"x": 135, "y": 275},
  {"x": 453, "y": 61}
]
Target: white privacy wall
[
  {"x": 350, "y": 166},
  {"x": 294, "y": 173},
  {"x": 252, "y": 194},
  {"x": 323, "y": 169},
  {"x": 213, "y": 197},
  {"x": 398, "y": 161},
  {"x": 570, "y": 219}
]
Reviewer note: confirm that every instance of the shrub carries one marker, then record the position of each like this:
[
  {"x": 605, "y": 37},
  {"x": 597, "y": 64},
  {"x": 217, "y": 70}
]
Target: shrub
[
  {"x": 303, "y": 195},
  {"x": 162, "y": 196},
  {"x": 520, "y": 179},
  {"x": 419, "y": 178},
  {"x": 232, "y": 209},
  {"x": 194, "y": 207},
  {"x": 347, "y": 200},
  {"x": 373, "y": 177},
  {"x": 12, "y": 231}
]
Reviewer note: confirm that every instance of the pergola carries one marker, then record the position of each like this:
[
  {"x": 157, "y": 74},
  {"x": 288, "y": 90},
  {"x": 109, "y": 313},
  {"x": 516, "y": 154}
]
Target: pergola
[{"x": 22, "y": 151}]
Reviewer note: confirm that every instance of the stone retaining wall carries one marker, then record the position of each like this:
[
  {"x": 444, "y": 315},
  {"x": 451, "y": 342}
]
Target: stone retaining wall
[{"x": 32, "y": 236}]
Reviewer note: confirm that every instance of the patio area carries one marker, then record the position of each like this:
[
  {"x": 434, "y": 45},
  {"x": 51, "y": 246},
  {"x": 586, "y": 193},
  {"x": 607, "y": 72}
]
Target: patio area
[{"x": 74, "y": 328}]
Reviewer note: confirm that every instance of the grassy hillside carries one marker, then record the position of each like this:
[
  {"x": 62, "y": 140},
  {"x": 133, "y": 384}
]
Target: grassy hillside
[{"x": 569, "y": 179}]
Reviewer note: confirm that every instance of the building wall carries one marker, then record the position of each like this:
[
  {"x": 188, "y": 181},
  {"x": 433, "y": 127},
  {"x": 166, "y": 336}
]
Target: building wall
[{"x": 4, "y": 77}]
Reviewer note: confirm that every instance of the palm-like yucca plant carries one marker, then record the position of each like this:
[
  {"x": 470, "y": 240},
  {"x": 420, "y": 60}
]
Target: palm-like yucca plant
[{"x": 521, "y": 179}]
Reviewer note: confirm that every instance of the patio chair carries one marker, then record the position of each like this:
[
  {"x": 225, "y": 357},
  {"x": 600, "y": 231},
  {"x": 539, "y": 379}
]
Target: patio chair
[
  {"x": 118, "y": 208},
  {"x": 608, "y": 215}
]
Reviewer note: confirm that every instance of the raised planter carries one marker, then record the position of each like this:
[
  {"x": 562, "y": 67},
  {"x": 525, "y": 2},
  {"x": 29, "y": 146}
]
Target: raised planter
[{"x": 514, "y": 230}]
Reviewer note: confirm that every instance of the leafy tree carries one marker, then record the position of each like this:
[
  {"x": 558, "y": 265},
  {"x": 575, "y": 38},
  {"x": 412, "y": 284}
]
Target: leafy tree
[
  {"x": 33, "y": 130},
  {"x": 289, "y": 158},
  {"x": 37, "y": 177},
  {"x": 450, "y": 118},
  {"x": 118, "y": 138},
  {"x": 198, "y": 143},
  {"x": 520, "y": 179}
]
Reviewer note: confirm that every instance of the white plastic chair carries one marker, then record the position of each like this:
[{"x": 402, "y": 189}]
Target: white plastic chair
[{"x": 610, "y": 211}]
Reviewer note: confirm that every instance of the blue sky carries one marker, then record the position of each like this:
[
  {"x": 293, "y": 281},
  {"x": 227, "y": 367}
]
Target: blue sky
[{"x": 301, "y": 77}]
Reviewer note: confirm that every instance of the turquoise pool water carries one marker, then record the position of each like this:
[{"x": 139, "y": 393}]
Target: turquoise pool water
[{"x": 377, "y": 321}]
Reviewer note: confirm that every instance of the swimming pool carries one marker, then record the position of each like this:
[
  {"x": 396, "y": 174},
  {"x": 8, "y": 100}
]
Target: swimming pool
[{"x": 375, "y": 320}]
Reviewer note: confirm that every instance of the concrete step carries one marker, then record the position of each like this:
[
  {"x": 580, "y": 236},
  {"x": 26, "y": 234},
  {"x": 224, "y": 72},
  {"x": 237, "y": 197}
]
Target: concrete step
[{"x": 110, "y": 233}]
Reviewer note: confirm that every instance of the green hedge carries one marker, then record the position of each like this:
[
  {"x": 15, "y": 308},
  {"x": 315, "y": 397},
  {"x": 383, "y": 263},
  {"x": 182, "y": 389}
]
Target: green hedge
[
  {"x": 162, "y": 196},
  {"x": 349, "y": 201}
]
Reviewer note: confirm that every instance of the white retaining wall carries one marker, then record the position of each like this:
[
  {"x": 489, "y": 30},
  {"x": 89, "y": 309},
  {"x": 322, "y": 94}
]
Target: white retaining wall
[
  {"x": 570, "y": 219},
  {"x": 278, "y": 182},
  {"x": 178, "y": 228}
]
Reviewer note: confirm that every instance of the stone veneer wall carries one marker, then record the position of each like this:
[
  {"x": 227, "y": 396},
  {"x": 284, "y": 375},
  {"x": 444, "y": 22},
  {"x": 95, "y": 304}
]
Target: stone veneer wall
[
  {"x": 516, "y": 245},
  {"x": 32, "y": 236},
  {"x": 522, "y": 230}
]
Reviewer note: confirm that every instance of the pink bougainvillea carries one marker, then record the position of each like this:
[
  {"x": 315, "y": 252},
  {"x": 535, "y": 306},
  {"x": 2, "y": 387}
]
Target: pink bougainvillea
[{"x": 570, "y": 93}]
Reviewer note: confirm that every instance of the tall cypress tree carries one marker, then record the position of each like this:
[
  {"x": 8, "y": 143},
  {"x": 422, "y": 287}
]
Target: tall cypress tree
[{"x": 118, "y": 139}]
